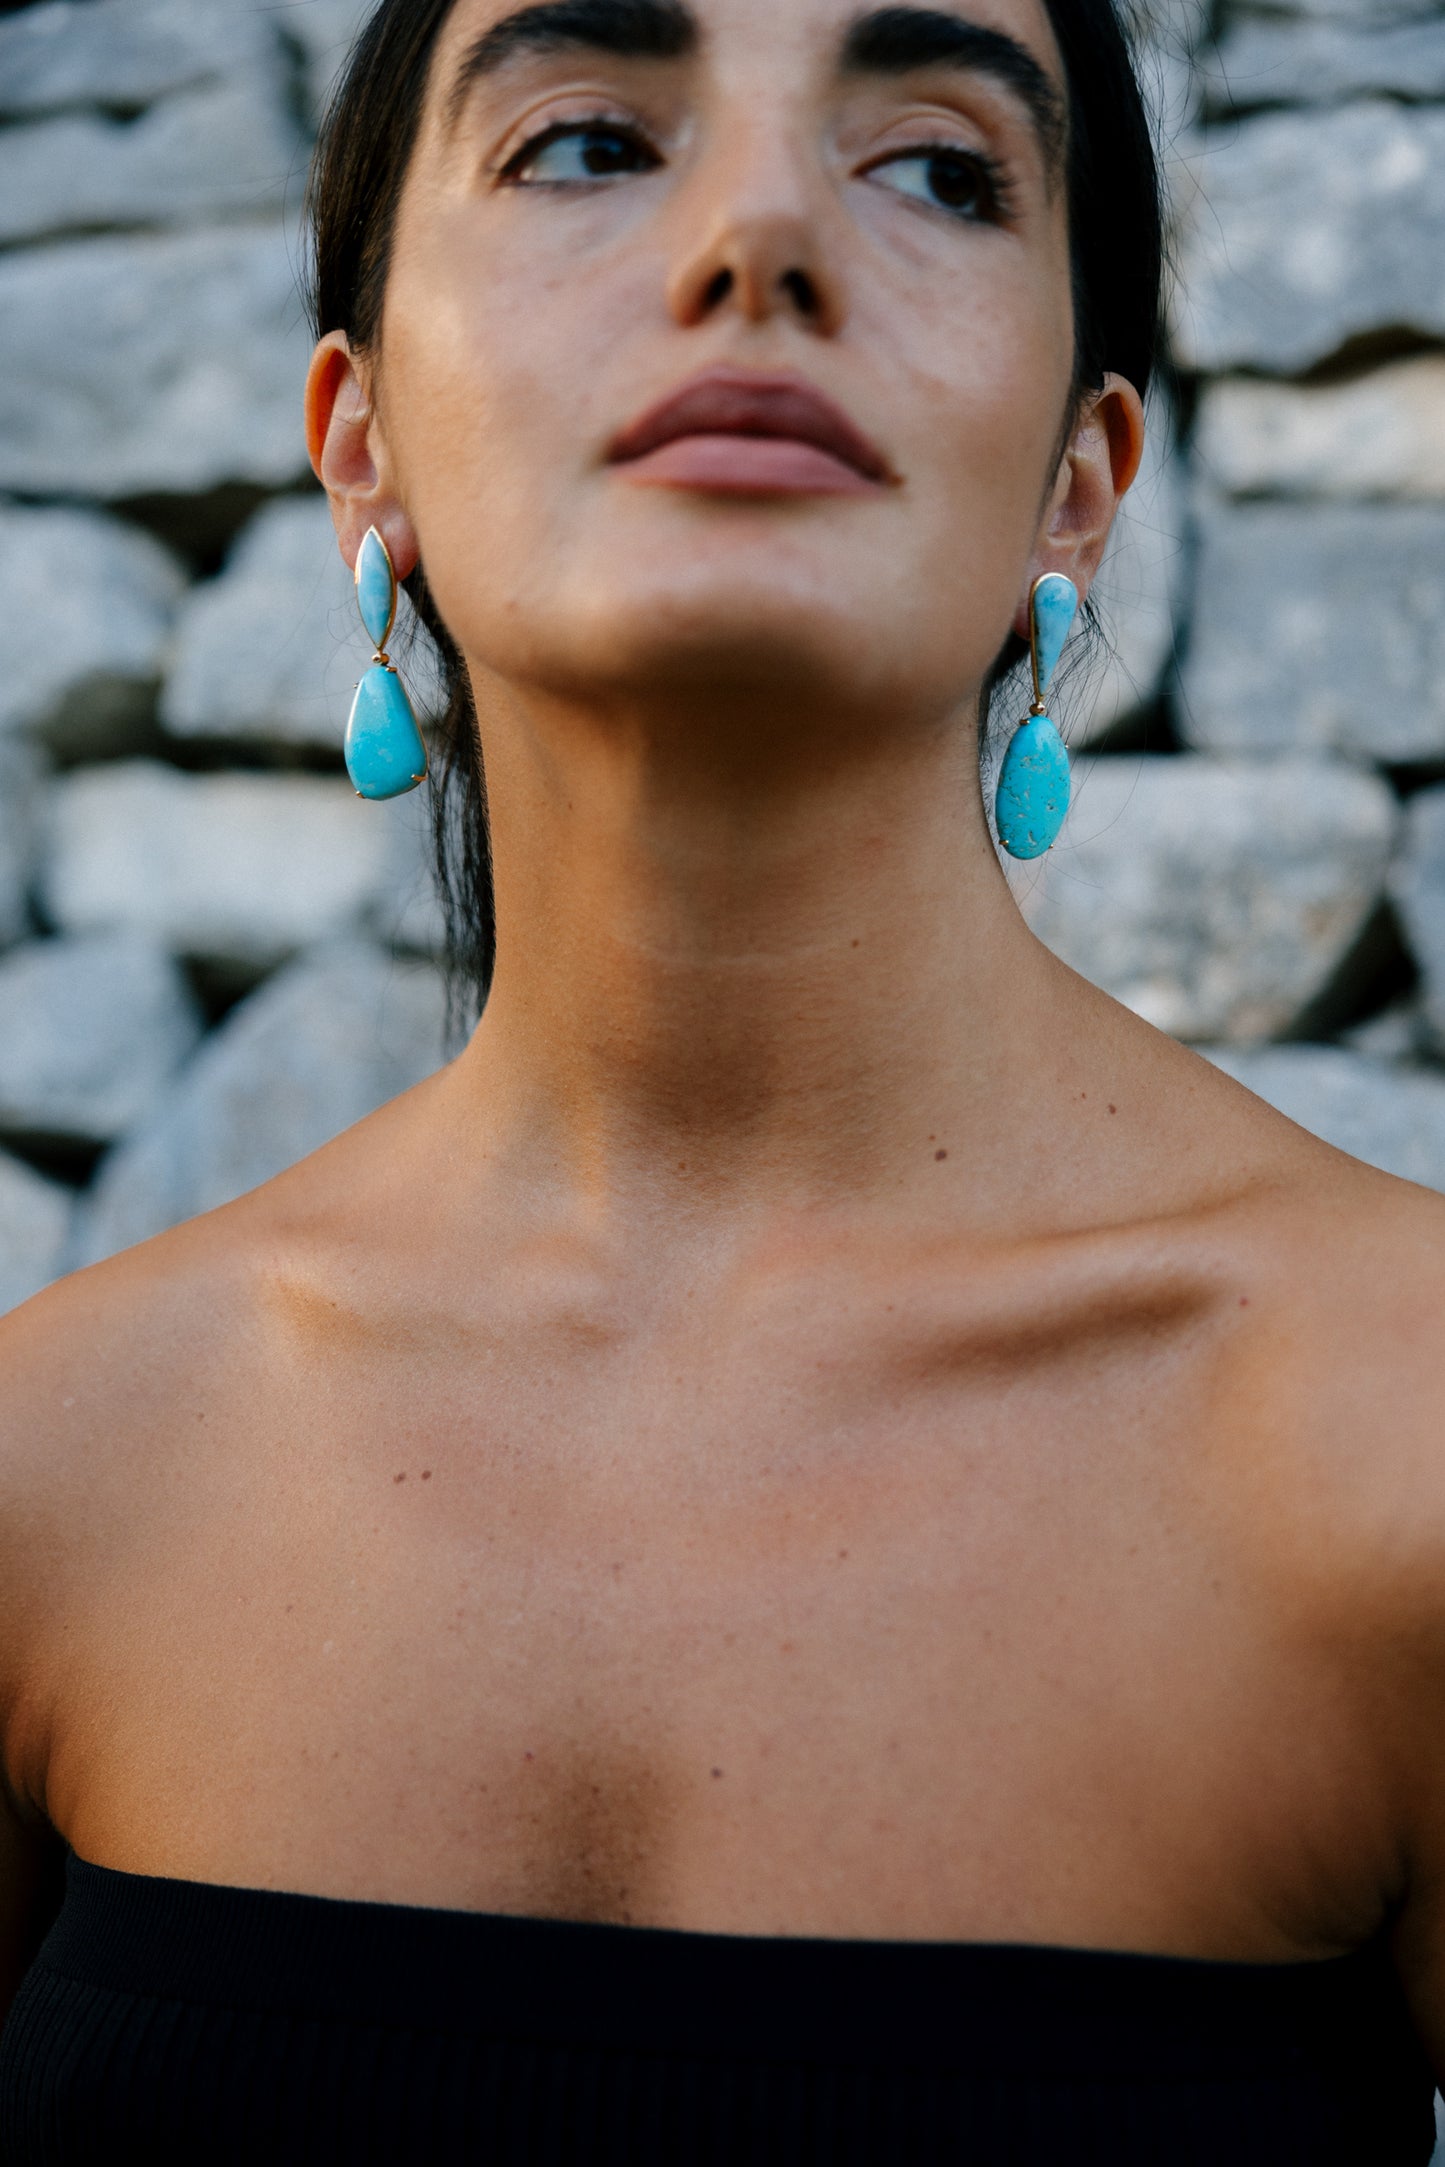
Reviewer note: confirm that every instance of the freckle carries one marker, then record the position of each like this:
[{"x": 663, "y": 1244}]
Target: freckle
[
  {"x": 718, "y": 1771},
  {"x": 289, "y": 1608},
  {"x": 855, "y": 944},
  {"x": 529, "y": 1756},
  {"x": 1244, "y": 1301},
  {"x": 398, "y": 1478},
  {"x": 842, "y": 1553},
  {"x": 426, "y": 1474},
  {"x": 1113, "y": 1109}
]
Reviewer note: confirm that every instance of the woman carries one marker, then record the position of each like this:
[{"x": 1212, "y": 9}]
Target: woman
[{"x": 825, "y": 1548}]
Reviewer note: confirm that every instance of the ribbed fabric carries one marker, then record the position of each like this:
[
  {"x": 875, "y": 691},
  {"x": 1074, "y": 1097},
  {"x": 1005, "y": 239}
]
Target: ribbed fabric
[{"x": 171, "y": 2021}]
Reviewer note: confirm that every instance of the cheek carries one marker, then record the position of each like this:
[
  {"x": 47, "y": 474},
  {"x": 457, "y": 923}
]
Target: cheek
[
  {"x": 988, "y": 369},
  {"x": 496, "y": 364}
]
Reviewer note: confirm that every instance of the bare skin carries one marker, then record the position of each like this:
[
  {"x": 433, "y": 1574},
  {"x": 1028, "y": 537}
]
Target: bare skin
[{"x": 818, "y": 1422}]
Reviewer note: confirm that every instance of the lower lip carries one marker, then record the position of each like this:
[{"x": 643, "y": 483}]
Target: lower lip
[{"x": 747, "y": 466}]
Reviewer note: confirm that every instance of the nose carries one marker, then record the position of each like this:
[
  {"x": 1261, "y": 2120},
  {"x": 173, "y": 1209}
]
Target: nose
[{"x": 757, "y": 241}]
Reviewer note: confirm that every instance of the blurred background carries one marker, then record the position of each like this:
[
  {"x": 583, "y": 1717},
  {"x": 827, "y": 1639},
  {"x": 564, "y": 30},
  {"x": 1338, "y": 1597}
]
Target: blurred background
[{"x": 213, "y": 956}]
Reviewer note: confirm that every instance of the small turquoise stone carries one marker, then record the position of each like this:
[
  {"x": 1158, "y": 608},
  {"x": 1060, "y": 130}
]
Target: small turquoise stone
[
  {"x": 1054, "y": 603},
  {"x": 385, "y": 755},
  {"x": 1033, "y": 789},
  {"x": 375, "y": 587}
]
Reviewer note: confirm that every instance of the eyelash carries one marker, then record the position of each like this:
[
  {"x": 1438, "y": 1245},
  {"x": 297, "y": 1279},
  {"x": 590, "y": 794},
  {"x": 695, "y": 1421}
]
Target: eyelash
[
  {"x": 997, "y": 207},
  {"x": 996, "y": 187},
  {"x": 557, "y": 132}
]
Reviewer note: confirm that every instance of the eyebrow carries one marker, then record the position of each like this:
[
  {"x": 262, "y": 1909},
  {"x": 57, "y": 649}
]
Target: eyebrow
[
  {"x": 627, "y": 29},
  {"x": 895, "y": 40},
  {"x": 885, "y": 41}
]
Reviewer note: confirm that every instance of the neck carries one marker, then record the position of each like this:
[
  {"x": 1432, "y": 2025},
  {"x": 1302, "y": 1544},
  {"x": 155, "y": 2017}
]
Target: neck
[{"x": 738, "y": 977}]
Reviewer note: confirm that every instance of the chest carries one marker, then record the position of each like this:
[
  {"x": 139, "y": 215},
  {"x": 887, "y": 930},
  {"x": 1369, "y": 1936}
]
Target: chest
[{"x": 965, "y": 1656}]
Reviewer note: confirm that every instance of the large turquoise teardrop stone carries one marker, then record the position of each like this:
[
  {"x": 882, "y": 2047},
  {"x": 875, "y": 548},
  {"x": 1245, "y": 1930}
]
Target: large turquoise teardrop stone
[
  {"x": 375, "y": 587},
  {"x": 1033, "y": 789},
  {"x": 385, "y": 755}
]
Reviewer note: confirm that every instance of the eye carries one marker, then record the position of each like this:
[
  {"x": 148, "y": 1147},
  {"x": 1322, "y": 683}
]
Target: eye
[
  {"x": 962, "y": 182},
  {"x": 580, "y": 150}
]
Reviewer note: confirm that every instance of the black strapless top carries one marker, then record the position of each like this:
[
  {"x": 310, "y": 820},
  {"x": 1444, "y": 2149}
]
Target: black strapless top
[{"x": 170, "y": 2022}]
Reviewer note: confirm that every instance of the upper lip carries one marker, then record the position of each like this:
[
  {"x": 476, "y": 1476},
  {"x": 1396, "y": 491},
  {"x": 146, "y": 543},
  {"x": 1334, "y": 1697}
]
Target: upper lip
[{"x": 737, "y": 402}]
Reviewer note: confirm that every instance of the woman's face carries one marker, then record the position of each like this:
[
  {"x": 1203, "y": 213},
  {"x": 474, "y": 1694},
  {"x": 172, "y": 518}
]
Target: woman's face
[{"x": 843, "y": 229}]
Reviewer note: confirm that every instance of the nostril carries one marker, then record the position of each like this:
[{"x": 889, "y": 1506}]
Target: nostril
[
  {"x": 718, "y": 288},
  {"x": 801, "y": 292}
]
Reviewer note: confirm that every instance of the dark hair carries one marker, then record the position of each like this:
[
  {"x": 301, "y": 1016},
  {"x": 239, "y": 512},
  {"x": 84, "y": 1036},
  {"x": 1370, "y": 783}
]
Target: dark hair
[{"x": 360, "y": 166}]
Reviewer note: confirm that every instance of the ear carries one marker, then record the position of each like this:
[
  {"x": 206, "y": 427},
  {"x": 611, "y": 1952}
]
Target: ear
[
  {"x": 349, "y": 456},
  {"x": 1098, "y": 466}
]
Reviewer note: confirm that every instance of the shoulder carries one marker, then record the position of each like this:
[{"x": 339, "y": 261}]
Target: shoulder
[
  {"x": 1328, "y": 1429},
  {"x": 1348, "y": 1275},
  {"x": 119, "y": 1376},
  {"x": 1341, "y": 1277},
  {"x": 99, "y": 1378},
  {"x": 95, "y": 1373},
  {"x": 1311, "y": 1306},
  {"x": 123, "y": 1386}
]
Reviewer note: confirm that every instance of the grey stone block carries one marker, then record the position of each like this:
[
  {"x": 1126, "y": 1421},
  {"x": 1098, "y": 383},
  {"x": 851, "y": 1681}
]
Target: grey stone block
[
  {"x": 318, "y": 1047},
  {"x": 273, "y": 648},
  {"x": 123, "y": 55},
  {"x": 1291, "y": 63},
  {"x": 21, "y": 775},
  {"x": 90, "y": 603},
  {"x": 1390, "y": 1117},
  {"x": 1216, "y": 900},
  {"x": 91, "y": 1031},
  {"x": 1311, "y": 229},
  {"x": 1319, "y": 628},
  {"x": 1377, "y": 435},
  {"x": 1417, "y": 882},
  {"x": 226, "y": 148},
  {"x": 239, "y": 870},
  {"x": 327, "y": 30},
  {"x": 35, "y": 1227},
  {"x": 1137, "y": 590},
  {"x": 154, "y": 362},
  {"x": 1364, "y": 14},
  {"x": 1397, "y": 1033}
]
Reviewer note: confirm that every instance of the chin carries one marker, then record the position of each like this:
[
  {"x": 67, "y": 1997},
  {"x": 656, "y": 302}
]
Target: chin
[
  {"x": 752, "y": 617},
  {"x": 729, "y": 643}
]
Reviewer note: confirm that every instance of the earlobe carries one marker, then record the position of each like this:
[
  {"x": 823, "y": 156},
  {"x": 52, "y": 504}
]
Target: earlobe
[{"x": 348, "y": 455}]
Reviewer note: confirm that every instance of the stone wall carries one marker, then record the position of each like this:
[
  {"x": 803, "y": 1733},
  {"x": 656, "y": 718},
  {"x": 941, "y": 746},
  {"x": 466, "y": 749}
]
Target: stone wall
[{"x": 212, "y": 956}]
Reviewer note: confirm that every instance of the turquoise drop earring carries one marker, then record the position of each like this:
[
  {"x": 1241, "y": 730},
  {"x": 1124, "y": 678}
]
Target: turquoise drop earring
[
  {"x": 1033, "y": 783},
  {"x": 385, "y": 755}
]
